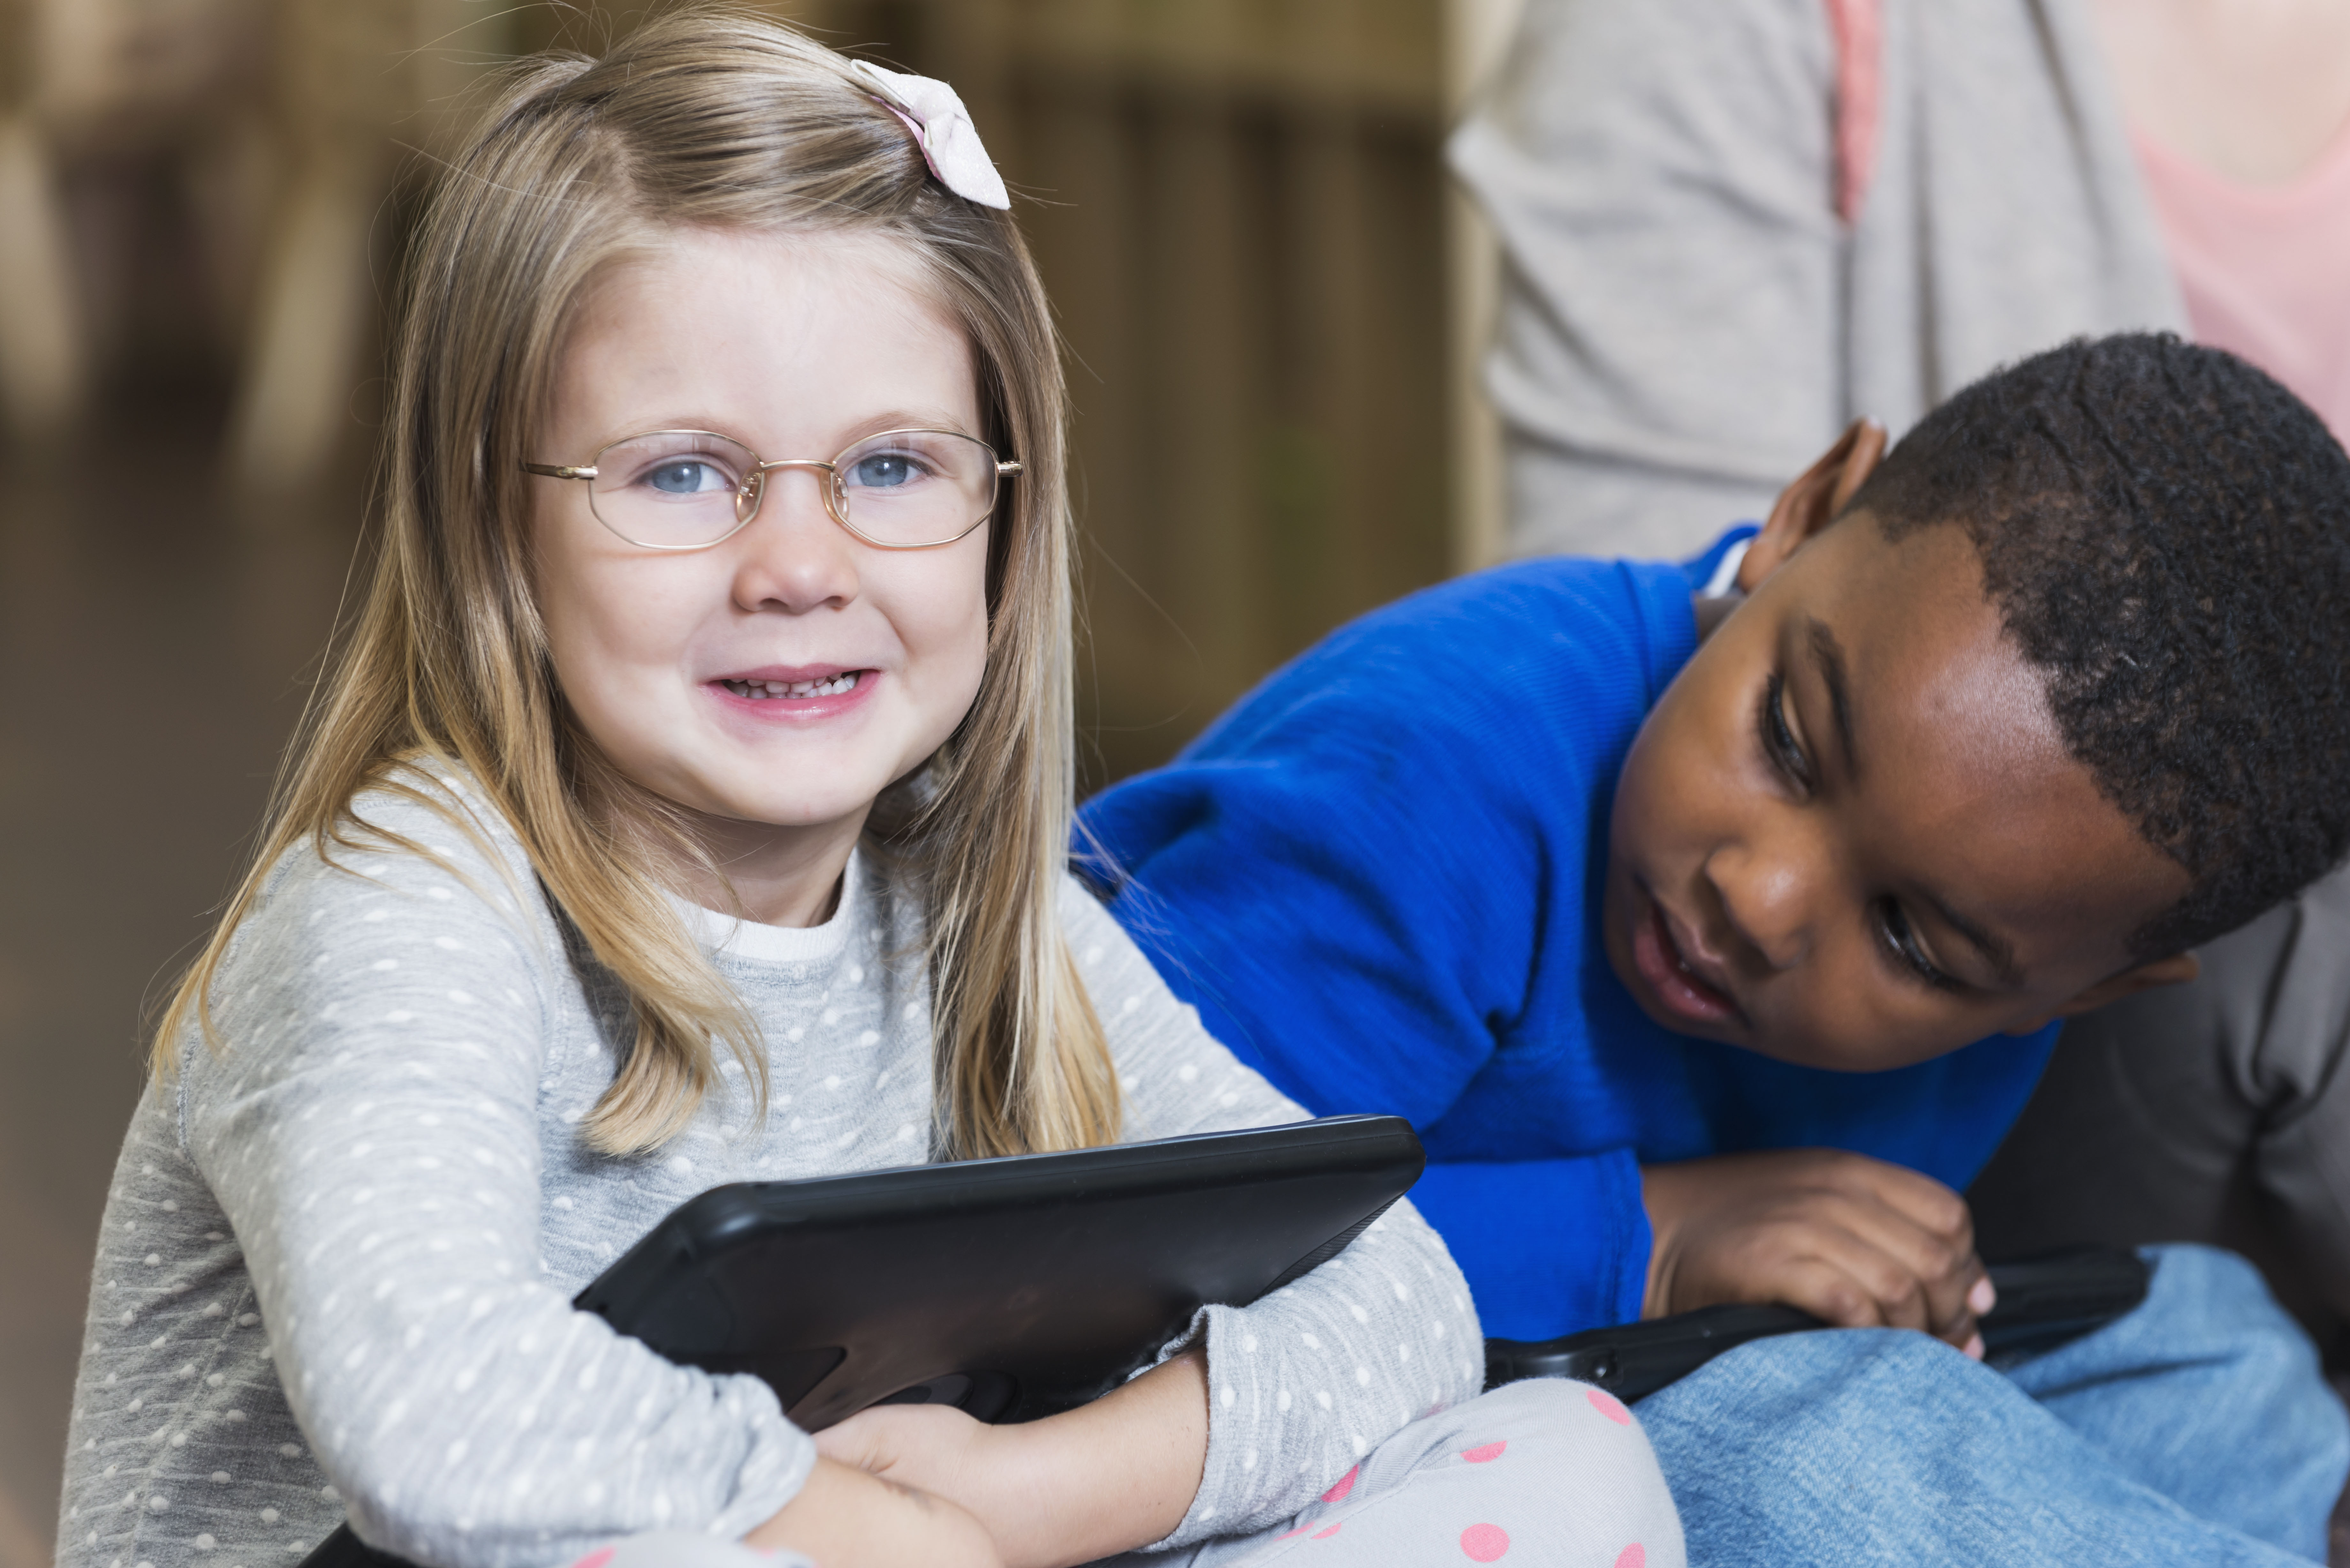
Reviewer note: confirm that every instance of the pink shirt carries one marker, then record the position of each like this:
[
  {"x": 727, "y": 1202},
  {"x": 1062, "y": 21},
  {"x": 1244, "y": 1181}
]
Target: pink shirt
[{"x": 2266, "y": 269}]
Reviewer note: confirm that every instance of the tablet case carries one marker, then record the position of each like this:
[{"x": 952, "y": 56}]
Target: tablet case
[{"x": 1011, "y": 1287}]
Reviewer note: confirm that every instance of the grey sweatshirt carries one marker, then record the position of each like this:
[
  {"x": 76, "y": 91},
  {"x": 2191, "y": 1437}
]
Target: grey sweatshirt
[
  {"x": 340, "y": 1252},
  {"x": 1686, "y": 323}
]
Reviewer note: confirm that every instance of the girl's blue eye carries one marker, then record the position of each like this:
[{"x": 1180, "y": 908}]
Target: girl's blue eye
[
  {"x": 686, "y": 476},
  {"x": 884, "y": 471}
]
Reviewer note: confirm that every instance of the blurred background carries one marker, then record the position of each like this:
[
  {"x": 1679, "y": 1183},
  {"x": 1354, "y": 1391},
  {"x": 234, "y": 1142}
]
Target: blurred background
[{"x": 1270, "y": 300}]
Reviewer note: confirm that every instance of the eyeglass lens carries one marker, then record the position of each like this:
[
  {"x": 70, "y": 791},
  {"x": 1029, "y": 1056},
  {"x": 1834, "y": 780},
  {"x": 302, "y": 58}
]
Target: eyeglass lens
[{"x": 677, "y": 489}]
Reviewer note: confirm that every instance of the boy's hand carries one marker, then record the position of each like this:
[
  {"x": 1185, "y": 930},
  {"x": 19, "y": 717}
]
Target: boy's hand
[
  {"x": 844, "y": 1517},
  {"x": 1852, "y": 1240},
  {"x": 1088, "y": 1483}
]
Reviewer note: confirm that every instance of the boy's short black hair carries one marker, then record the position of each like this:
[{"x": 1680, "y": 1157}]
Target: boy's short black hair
[{"x": 2166, "y": 532}]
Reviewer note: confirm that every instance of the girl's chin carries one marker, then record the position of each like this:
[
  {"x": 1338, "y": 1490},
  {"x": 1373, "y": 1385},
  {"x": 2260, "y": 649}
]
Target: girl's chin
[
  {"x": 800, "y": 813},
  {"x": 788, "y": 796}
]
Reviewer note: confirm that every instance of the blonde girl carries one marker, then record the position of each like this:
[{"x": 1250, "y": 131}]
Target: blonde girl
[{"x": 689, "y": 804}]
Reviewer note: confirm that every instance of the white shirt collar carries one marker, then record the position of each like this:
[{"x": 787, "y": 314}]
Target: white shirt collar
[{"x": 738, "y": 938}]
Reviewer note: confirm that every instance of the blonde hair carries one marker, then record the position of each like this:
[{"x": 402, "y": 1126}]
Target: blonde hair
[{"x": 703, "y": 118}]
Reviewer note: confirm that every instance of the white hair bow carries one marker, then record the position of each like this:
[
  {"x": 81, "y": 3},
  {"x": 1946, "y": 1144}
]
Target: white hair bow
[{"x": 942, "y": 127}]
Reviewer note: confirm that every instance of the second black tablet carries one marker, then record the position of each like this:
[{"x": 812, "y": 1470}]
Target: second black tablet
[{"x": 1011, "y": 1287}]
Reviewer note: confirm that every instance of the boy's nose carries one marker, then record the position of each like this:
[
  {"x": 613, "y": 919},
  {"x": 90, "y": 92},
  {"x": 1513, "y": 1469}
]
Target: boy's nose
[
  {"x": 1766, "y": 897},
  {"x": 793, "y": 556}
]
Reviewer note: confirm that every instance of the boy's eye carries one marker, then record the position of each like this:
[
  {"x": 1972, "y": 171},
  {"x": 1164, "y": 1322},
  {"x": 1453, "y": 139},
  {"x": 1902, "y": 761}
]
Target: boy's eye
[
  {"x": 1779, "y": 737},
  {"x": 687, "y": 476},
  {"x": 1901, "y": 942}
]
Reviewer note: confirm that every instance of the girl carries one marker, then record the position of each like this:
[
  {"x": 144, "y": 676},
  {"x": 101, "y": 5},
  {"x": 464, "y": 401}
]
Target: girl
[{"x": 690, "y": 805}]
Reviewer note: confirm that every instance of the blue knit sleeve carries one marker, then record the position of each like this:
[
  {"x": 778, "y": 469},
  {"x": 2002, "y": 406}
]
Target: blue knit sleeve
[
  {"x": 1328, "y": 946},
  {"x": 1362, "y": 959},
  {"x": 1548, "y": 1246},
  {"x": 1371, "y": 877}
]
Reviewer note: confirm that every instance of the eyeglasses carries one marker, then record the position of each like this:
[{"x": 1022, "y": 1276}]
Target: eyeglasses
[{"x": 688, "y": 490}]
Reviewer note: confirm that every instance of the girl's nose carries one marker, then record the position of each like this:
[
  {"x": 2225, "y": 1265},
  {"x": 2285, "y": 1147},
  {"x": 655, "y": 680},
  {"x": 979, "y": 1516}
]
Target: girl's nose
[
  {"x": 793, "y": 556},
  {"x": 1768, "y": 887}
]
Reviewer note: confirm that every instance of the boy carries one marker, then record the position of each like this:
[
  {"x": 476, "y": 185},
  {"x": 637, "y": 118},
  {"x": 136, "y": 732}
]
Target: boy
[{"x": 1710, "y": 947}]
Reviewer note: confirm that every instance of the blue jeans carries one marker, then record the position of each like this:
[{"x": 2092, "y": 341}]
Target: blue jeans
[{"x": 2196, "y": 1430}]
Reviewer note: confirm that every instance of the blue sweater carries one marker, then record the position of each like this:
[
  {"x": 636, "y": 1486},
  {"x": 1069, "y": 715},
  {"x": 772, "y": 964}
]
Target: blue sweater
[{"x": 1379, "y": 877}]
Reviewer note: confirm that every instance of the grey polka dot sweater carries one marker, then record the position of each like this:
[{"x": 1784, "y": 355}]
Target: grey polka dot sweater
[{"x": 338, "y": 1252}]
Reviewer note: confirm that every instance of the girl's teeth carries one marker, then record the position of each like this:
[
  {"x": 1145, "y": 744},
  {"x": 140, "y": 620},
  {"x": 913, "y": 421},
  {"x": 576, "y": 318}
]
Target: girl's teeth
[{"x": 762, "y": 690}]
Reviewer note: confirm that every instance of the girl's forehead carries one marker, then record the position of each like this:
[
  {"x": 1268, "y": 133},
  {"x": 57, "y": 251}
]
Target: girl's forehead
[
  {"x": 790, "y": 334},
  {"x": 765, "y": 278}
]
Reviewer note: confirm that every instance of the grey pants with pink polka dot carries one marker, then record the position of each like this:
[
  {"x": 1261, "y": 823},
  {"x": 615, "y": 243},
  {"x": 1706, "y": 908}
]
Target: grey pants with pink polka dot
[{"x": 1545, "y": 1472}]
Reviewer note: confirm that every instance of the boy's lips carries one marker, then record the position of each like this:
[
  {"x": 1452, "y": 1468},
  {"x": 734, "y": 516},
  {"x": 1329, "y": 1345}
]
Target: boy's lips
[{"x": 1692, "y": 988}]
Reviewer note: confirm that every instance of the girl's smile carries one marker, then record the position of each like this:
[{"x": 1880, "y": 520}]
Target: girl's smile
[{"x": 780, "y": 694}]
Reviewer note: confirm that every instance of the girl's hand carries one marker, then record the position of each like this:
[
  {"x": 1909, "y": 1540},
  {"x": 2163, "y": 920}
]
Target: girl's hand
[
  {"x": 1850, "y": 1240},
  {"x": 1089, "y": 1484},
  {"x": 845, "y": 1518}
]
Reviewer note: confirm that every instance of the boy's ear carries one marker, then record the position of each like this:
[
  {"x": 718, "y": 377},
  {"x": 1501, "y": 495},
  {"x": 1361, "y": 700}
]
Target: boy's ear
[
  {"x": 1805, "y": 507},
  {"x": 2176, "y": 969}
]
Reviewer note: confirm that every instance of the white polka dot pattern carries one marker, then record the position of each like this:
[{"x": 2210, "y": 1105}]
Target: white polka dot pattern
[{"x": 337, "y": 1255}]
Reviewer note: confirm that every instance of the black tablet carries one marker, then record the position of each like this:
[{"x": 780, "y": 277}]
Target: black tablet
[
  {"x": 1011, "y": 1288},
  {"x": 2042, "y": 1303}
]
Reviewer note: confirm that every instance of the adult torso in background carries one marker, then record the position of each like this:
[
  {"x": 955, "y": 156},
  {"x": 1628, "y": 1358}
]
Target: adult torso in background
[
  {"x": 1734, "y": 225},
  {"x": 1731, "y": 226},
  {"x": 2239, "y": 113},
  {"x": 2255, "y": 91}
]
